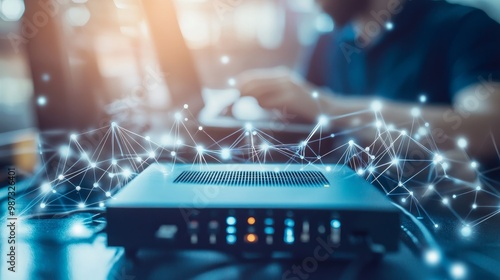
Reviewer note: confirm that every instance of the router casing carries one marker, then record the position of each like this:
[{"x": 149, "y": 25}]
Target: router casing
[{"x": 253, "y": 208}]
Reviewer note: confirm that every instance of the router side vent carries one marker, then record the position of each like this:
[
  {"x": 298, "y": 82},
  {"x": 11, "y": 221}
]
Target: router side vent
[{"x": 254, "y": 178}]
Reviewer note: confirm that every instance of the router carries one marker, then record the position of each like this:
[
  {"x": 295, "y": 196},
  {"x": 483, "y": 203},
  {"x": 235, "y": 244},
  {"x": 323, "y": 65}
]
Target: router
[{"x": 262, "y": 209}]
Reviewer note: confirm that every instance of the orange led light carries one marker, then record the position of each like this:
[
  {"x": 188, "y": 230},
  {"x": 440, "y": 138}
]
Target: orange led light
[
  {"x": 251, "y": 238},
  {"x": 251, "y": 220}
]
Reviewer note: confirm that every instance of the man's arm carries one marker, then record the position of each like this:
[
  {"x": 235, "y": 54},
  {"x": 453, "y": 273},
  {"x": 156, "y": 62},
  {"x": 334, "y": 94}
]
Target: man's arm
[{"x": 474, "y": 115}]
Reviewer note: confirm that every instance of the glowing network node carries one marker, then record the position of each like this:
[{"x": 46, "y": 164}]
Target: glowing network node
[
  {"x": 60, "y": 177},
  {"x": 225, "y": 153},
  {"x": 81, "y": 205},
  {"x": 328, "y": 169},
  {"x": 314, "y": 94},
  {"x": 403, "y": 132},
  {"x": 437, "y": 158},
  {"x": 322, "y": 120},
  {"x": 148, "y": 138},
  {"x": 225, "y": 59},
  {"x": 430, "y": 187},
  {"x": 178, "y": 116},
  {"x": 54, "y": 191},
  {"x": 186, "y": 106},
  {"x": 454, "y": 196},
  {"x": 231, "y": 82},
  {"x": 200, "y": 149},
  {"x": 111, "y": 175},
  {"x": 395, "y": 161},
  {"x": 41, "y": 101},
  {"x": 114, "y": 162},
  {"x": 332, "y": 135},
  {"x": 445, "y": 201},
  {"x": 423, "y": 98},
  {"x": 108, "y": 194},
  {"x": 186, "y": 119},
  {"x": 138, "y": 159},
  {"x": 95, "y": 185},
  {"x": 462, "y": 143},
  {"x": 264, "y": 147},
  {"x": 457, "y": 271},
  {"x": 432, "y": 257},
  {"x": 376, "y": 106},
  {"x": 403, "y": 200},
  {"x": 127, "y": 173},
  {"x": 78, "y": 188},
  {"x": 415, "y": 112},
  {"x": 426, "y": 124},
  {"x": 254, "y": 132},
  {"x": 360, "y": 171},
  {"x": 42, "y": 205},
  {"x": 200, "y": 127},
  {"x": 73, "y": 136},
  {"x": 378, "y": 124},
  {"x": 46, "y": 187},
  {"x": 436, "y": 225},
  {"x": 152, "y": 154},
  {"x": 113, "y": 124},
  {"x": 248, "y": 126},
  {"x": 351, "y": 142},
  {"x": 474, "y": 206},
  {"x": 473, "y": 164},
  {"x": 389, "y": 25},
  {"x": 411, "y": 193},
  {"x": 101, "y": 204},
  {"x": 400, "y": 184},
  {"x": 93, "y": 165},
  {"x": 173, "y": 153}
]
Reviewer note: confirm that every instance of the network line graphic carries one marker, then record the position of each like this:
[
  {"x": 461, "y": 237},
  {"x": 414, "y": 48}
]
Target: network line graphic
[{"x": 405, "y": 164}]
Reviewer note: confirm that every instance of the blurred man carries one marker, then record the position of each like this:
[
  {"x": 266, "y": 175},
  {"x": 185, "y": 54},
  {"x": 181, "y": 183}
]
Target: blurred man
[{"x": 403, "y": 53}]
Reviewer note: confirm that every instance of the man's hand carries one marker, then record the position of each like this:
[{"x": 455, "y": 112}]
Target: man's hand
[{"x": 279, "y": 88}]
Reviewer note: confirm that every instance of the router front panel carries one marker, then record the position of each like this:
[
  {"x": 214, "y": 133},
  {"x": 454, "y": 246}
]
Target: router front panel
[{"x": 253, "y": 211}]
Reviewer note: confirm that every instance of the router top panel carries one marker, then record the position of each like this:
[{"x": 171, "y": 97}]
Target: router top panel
[{"x": 251, "y": 186}]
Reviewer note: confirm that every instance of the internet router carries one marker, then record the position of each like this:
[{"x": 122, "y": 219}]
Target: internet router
[{"x": 253, "y": 208}]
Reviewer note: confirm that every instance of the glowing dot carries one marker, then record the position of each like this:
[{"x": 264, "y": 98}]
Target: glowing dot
[
  {"x": 264, "y": 147},
  {"x": 152, "y": 154},
  {"x": 437, "y": 158},
  {"x": 426, "y": 124},
  {"x": 53, "y": 191},
  {"x": 360, "y": 171},
  {"x": 314, "y": 94},
  {"x": 436, "y": 225},
  {"x": 200, "y": 127},
  {"x": 225, "y": 153},
  {"x": 225, "y": 59},
  {"x": 73, "y": 136},
  {"x": 251, "y": 238},
  {"x": 139, "y": 159},
  {"x": 423, "y": 98},
  {"x": 93, "y": 165},
  {"x": 78, "y": 188},
  {"x": 185, "y": 119},
  {"x": 254, "y": 132},
  {"x": 395, "y": 161},
  {"x": 403, "y": 132},
  {"x": 114, "y": 162},
  {"x": 378, "y": 124},
  {"x": 46, "y": 187},
  {"x": 371, "y": 169},
  {"x": 60, "y": 177},
  {"x": 445, "y": 201},
  {"x": 415, "y": 112},
  {"x": 457, "y": 271},
  {"x": 113, "y": 124},
  {"x": 473, "y": 164},
  {"x": 351, "y": 142},
  {"x": 372, "y": 156},
  {"x": 81, "y": 205},
  {"x": 173, "y": 154},
  {"x": 328, "y": 169},
  {"x": 148, "y": 138},
  {"x": 322, "y": 120},
  {"x": 111, "y": 175},
  {"x": 231, "y": 82},
  {"x": 41, "y": 100},
  {"x": 231, "y": 239},
  {"x": 45, "y": 77},
  {"x": 376, "y": 106},
  {"x": 186, "y": 106},
  {"x": 303, "y": 143},
  {"x": 231, "y": 221},
  {"x": 411, "y": 193},
  {"x": 178, "y": 116},
  {"x": 101, "y": 204},
  {"x": 400, "y": 184},
  {"x": 403, "y": 200},
  {"x": 462, "y": 143},
  {"x": 42, "y": 205},
  {"x": 108, "y": 194},
  {"x": 248, "y": 126},
  {"x": 95, "y": 185},
  {"x": 389, "y": 25},
  {"x": 432, "y": 257},
  {"x": 127, "y": 173},
  {"x": 335, "y": 224},
  {"x": 430, "y": 187},
  {"x": 474, "y": 206},
  {"x": 332, "y": 135},
  {"x": 251, "y": 220},
  {"x": 200, "y": 149}
]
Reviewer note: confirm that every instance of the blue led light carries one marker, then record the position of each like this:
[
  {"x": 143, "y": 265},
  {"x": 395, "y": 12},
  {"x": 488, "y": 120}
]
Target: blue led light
[
  {"x": 289, "y": 223},
  {"x": 335, "y": 223},
  {"x": 269, "y": 230},
  {"x": 289, "y": 239},
  {"x": 288, "y": 232},
  {"x": 268, "y": 221},
  {"x": 231, "y": 239},
  {"x": 231, "y": 220},
  {"x": 231, "y": 230}
]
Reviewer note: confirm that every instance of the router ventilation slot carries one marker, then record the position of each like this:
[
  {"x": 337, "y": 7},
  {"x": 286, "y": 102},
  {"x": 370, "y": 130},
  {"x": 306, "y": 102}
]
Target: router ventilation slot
[{"x": 254, "y": 178}]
